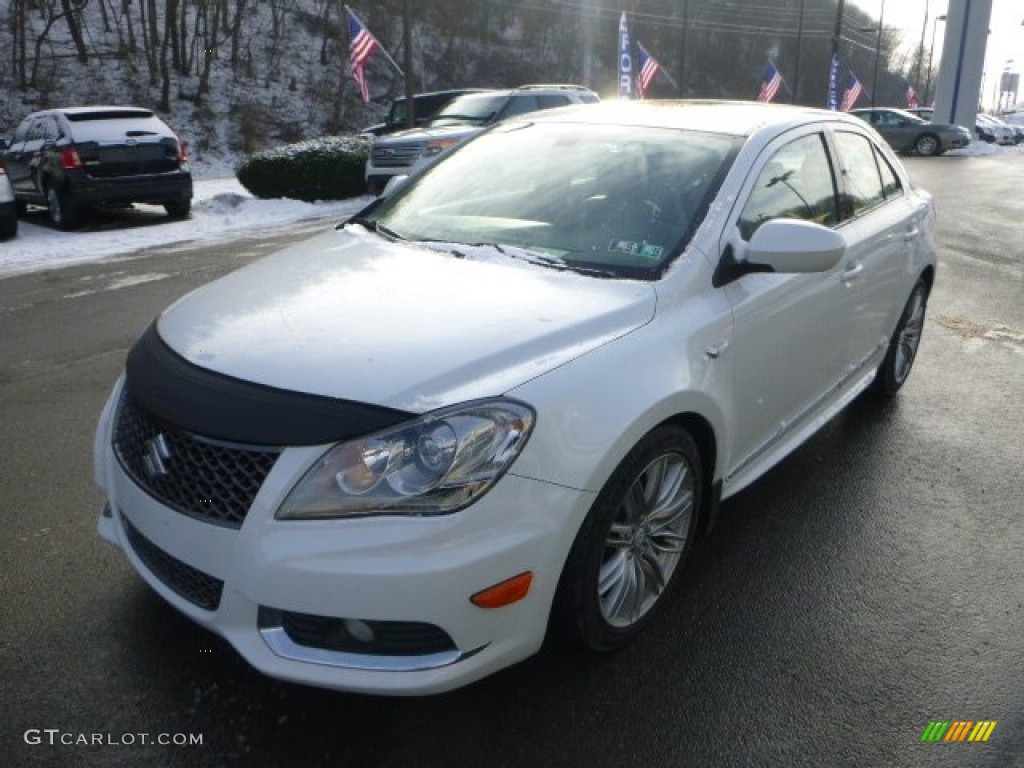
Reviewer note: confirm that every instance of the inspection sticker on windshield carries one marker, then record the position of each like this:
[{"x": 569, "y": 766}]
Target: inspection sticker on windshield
[{"x": 642, "y": 249}]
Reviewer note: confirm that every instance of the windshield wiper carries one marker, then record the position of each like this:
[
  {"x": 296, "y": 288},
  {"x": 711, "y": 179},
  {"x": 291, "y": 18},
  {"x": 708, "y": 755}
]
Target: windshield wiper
[
  {"x": 375, "y": 226},
  {"x": 525, "y": 254}
]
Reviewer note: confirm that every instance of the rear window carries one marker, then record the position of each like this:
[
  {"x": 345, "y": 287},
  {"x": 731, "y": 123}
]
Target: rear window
[{"x": 114, "y": 125}]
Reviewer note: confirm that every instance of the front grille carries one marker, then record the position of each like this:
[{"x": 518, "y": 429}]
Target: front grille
[
  {"x": 211, "y": 481},
  {"x": 390, "y": 638},
  {"x": 192, "y": 584},
  {"x": 395, "y": 155}
]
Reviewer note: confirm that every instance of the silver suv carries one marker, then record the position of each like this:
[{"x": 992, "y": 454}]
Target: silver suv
[{"x": 402, "y": 153}]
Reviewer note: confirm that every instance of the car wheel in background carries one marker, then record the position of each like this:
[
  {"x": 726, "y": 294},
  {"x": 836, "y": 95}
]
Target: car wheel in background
[
  {"x": 631, "y": 547},
  {"x": 8, "y": 225},
  {"x": 927, "y": 144},
  {"x": 903, "y": 345},
  {"x": 63, "y": 211},
  {"x": 178, "y": 207}
]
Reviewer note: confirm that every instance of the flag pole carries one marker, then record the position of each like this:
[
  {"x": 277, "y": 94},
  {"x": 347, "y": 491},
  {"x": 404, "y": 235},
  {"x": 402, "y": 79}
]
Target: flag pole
[{"x": 380, "y": 47}]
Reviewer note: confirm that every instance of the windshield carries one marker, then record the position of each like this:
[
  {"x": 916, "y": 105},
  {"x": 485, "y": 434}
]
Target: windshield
[
  {"x": 619, "y": 200},
  {"x": 477, "y": 109}
]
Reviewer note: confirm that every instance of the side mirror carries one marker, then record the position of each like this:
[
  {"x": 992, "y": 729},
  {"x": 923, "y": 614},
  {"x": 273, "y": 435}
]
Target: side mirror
[{"x": 795, "y": 246}]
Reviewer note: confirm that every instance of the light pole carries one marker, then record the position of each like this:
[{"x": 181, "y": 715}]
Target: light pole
[{"x": 931, "y": 55}]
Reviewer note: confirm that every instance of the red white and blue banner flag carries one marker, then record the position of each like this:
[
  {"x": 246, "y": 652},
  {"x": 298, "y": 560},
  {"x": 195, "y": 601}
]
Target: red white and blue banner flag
[
  {"x": 851, "y": 94},
  {"x": 912, "y": 100},
  {"x": 361, "y": 45},
  {"x": 833, "y": 83},
  {"x": 771, "y": 81},
  {"x": 649, "y": 68},
  {"x": 625, "y": 60}
]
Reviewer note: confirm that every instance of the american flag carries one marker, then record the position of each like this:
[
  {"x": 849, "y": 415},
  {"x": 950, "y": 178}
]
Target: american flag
[
  {"x": 851, "y": 94},
  {"x": 361, "y": 45},
  {"x": 649, "y": 67},
  {"x": 771, "y": 81},
  {"x": 912, "y": 101}
]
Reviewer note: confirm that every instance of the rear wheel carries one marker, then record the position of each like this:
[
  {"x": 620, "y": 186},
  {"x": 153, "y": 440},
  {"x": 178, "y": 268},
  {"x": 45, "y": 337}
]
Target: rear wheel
[
  {"x": 8, "y": 226},
  {"x": 927, "y": 144},
  {"x": 631, "y": 547},
  {"x": 903, "y": 345},
  {"x": 63, "y": 211},
  {"x": 178, "y": 207}
]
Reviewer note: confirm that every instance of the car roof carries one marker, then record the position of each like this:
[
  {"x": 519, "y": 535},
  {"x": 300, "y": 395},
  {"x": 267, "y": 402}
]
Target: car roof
[
  {"x": 735, "y": 118},
  {"x": 126, "y": 111}
]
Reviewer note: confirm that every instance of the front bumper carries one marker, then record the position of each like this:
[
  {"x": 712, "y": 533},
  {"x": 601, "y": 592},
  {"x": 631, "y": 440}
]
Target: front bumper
[{"x": 377, "y": 571}]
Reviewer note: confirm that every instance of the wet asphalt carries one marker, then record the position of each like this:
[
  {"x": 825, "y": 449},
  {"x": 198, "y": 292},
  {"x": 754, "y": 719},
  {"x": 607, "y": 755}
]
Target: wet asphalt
[{"x": 871, "y": 583}]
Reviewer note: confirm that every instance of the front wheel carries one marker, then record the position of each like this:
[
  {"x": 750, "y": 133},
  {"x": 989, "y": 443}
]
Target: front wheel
[
  {"x": 631, "y": 547},
  {"x": 899, "y": 358},
  {"x": 927, "y": 145}
]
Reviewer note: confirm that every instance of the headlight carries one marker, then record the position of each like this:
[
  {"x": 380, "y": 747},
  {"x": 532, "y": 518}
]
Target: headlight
[
  {"x": 438, "y": 146},
  {"x": 434, "y": 465}
]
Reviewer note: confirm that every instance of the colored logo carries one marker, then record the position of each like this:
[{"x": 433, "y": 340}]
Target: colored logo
[{"x": 958, "y": 730}]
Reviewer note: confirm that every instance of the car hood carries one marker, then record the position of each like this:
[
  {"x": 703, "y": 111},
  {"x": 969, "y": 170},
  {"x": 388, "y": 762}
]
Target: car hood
[
  {"x": 353, "y": 316},
  {"x": 428, "y": 134}
]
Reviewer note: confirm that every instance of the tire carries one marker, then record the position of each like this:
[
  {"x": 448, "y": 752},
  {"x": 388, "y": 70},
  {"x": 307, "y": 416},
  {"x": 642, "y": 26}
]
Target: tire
[
  {"x": 8, "y": 227},
  {"x": 632, "y": 545},
  {"x": 179, "y": 207},
  {"x": 63, "y": 211},
  {"x": 903, "y": 346},
  {"x": 927, "y": 145}
]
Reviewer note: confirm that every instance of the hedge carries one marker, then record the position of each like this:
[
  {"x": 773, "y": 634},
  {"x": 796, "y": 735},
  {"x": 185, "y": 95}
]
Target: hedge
[{"x": 330, "y": 168}]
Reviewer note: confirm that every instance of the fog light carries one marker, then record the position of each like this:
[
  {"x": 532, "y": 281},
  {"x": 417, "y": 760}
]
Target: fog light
[
  {"x": 505, "y": 592},
  {"x": 358, "y": 630}
]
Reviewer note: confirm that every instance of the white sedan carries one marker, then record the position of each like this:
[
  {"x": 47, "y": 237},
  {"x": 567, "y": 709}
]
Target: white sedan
[{"x": 501, "y": 403}]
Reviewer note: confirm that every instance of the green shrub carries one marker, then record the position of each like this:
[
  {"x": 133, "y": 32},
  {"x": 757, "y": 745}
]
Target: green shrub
[{"x": 330, "y": 168}]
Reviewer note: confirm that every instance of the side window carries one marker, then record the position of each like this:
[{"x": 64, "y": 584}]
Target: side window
[
  {"x": 519, "y": 105},
  {"x": 50, "y": 130},
  {"x": 797, "y": 183},
  {"x": 21, "y": 134},
  {"x": 551, "y": 100},
  {"x": 35, "y": 130},
  {"x": 861, "y": 181},
  {"x": 891, "y": 186}
]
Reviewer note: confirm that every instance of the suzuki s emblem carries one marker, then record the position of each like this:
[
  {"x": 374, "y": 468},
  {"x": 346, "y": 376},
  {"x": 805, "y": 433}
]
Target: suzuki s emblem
[{"x": 157, "y": 455}]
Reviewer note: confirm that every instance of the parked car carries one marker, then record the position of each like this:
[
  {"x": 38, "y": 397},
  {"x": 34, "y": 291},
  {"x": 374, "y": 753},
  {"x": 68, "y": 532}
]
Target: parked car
[
  {"x": 981, "y": 131},
  {"x": 425, "y": 106},
  {"x": 1002, "y": 133},
  {"x": 404, "y": 152},
  {"x": 74, "y": 158},
  {"x": 906, "y": 132},
  {"x": 504, "y": 399},
  {"x": 8, "y": 208}
]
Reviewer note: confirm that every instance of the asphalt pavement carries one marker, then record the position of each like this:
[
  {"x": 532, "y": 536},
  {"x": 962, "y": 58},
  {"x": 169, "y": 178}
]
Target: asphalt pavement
[{"x": 869, "y": 585}]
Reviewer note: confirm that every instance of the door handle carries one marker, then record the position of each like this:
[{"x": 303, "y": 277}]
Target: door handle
[
  {"x": 912, "y": 235},
  {"x": 852, "y": 272}
]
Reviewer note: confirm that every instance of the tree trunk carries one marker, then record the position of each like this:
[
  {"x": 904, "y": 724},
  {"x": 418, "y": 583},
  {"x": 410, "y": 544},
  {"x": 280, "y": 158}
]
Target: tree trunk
[{"x": 76, "y": 30}]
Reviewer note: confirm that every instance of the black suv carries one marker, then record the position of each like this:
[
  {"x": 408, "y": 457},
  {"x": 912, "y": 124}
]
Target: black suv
[{"x": 71, "y": 159}]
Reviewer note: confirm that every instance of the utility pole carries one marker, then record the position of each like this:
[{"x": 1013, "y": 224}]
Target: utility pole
[
  {"x": 920, "y": 49},
  {"x": 682, "y": 46},
  {"x": 878, "y": 54},
  {"x": 410, "y": 105},
  {"x": 799, "y": 54}
]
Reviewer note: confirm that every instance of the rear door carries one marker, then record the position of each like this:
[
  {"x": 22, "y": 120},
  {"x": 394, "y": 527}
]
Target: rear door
[
  {"x": 19, "y": 157},
  {"x": 119, "y": 143},
  {"x": 883, "y": 222}
]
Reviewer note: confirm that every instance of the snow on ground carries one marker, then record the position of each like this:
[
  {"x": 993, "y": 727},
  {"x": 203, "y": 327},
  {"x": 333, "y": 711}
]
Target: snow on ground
[{"x": 221, "y": 209}]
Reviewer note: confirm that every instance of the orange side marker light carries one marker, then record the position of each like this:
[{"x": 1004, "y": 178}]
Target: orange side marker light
[{"x": 505, "y": 592}]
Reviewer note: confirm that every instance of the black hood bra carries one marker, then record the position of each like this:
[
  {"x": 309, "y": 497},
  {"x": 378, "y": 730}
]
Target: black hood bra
[{"x": 196, "y": 400}]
